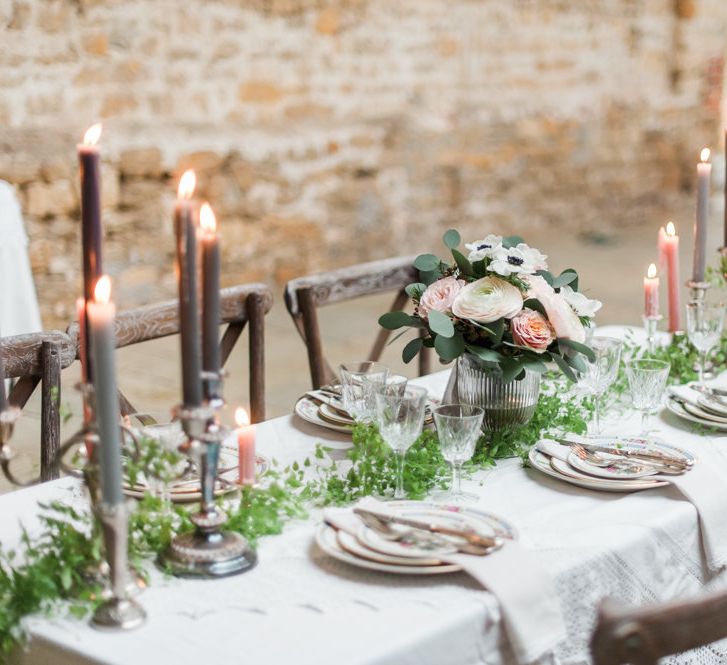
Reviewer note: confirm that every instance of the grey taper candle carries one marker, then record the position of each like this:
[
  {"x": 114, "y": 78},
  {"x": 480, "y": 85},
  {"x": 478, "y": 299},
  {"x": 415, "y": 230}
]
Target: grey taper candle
[
  {"x": 91, "y": 231},
  {"x": 704, "y": 171},
  {"x": 186, "y": 234},
  {"x": 100, "y": 315},
  {"x": 210, "y": 294},
  {"x": 724, "y": 244}
]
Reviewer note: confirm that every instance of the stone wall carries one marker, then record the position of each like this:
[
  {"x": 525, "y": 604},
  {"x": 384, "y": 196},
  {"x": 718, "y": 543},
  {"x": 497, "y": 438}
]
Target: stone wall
[{"x": 333, "y": 131}]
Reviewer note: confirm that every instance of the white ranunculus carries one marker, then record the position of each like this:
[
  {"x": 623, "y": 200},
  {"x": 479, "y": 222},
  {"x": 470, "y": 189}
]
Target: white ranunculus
[
  {"x": 579, "y": 303},
  {"x": 518, "y": 260},
  {"x": 487, "y": 299},
  {"x": 563, "y": 319},
  {"x": 484, "y": 248}
]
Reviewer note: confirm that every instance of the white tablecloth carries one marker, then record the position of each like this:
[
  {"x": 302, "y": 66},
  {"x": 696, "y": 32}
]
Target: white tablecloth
[
  {"x": 299, "y": 606},
  {"x": 19, "y": 311}
]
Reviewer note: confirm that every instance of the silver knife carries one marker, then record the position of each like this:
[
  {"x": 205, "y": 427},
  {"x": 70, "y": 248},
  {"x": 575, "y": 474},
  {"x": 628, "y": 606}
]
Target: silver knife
[{"x": 470, "y": 535}]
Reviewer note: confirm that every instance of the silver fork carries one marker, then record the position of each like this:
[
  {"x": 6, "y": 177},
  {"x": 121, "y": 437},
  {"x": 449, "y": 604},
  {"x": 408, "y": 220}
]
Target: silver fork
[{"x": 598, "y": 460}]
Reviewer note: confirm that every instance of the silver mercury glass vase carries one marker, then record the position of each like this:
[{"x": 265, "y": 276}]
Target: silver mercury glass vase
[{"x": 506, "y": 405}]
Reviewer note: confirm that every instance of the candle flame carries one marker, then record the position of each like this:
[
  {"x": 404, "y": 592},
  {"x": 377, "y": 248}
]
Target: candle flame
[
  {"x": 242, "y": 418},
  {"x": 93, "y": 134},
  {"x": 102, "y": 292},
  {"x": 704, "y": 155},
  {"x": 207, "y": 219},
  {"x": 187, "y": 183},
  {"x": 671, "y": 229},
  {"x": 651, "y": 272}
]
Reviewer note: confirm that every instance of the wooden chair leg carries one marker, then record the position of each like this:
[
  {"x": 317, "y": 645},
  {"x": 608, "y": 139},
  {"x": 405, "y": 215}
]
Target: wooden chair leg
[
  {"x": 229, "y": 339},
  {"x": 50, "y": 436},
  {"x": 256, "y": 316},
  {"x": 316, "y": 362}
]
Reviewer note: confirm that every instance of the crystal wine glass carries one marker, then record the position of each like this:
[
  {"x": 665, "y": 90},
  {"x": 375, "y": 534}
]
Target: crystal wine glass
[
  {"x": 458, "y": 427},
  {"x": 704, "y": 327},
  {"x": 601, "y": 373},
  {"x": 647, "y": 381},
  {"x": 400, "y": 418},
  {"x": 359, "y": 382}
]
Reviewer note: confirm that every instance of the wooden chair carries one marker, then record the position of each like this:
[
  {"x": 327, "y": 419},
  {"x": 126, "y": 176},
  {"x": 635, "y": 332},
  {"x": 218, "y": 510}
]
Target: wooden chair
[
  {"x": 643, "y": 635},
  {"x": 238, "y": 306},
  {"x": 33, "y": 359},
  {"x": 305, "y": 294}
]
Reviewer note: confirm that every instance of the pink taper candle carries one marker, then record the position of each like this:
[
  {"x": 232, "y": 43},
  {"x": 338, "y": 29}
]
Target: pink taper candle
[
  {"x": 246, "y": 447},
  {"x": 651, "y": 292},
  {"x": 669, "y": 263}
]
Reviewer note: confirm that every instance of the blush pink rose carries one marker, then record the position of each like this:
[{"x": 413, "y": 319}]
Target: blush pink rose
[
  {"x": 563, "y": 319},
  {"x": 530, "y": 328},
  {"x": 439, "y": 296}
]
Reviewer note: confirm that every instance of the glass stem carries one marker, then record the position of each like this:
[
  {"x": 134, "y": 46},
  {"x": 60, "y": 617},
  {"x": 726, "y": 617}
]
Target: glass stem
[
  {"x": 457, "y": 478},
  {"x": 645, "y": 424},
  {"x": 399, "y": 490},
  {"x": 702, "y": 366},
  {"x": 597, "y": 414}
]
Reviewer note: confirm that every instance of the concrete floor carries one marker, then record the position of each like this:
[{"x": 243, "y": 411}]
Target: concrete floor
[{"x": 611, "y": 269}]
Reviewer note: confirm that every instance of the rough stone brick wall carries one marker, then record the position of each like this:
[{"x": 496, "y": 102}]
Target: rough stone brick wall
[{"x": 333, "y": 131}]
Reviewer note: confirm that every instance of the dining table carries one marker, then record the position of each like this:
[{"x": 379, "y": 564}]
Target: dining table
[{"x": 299, "y": 605}]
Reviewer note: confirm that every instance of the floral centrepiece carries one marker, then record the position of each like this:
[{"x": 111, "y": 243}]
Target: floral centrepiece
[{"x": 499, "y": 303}]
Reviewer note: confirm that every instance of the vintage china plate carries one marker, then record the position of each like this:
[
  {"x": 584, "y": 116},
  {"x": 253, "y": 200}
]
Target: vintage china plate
[
  {"x": 556, "y": 468},
  {"x": 678, "y": 410},
  {"x": 327, "y": 541},
  {"x": 188, "y": 490},
  {"x": 617, "y": 471},
  {"x": 306, "y": 408},
  {"x": 352, "y": 545},
  {"x": 334, "y": 416}
]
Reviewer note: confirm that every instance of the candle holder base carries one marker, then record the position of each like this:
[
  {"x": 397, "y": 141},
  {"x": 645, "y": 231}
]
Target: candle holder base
[
  {"x": 697, "y": 290},
  {"x": 118, "y": 614},
  {"x": 650, "y": 325},
  {"x": 208, "y": 555}
]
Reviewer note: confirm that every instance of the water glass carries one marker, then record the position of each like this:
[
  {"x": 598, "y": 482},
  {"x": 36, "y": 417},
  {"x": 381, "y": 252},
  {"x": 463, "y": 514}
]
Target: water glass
[
  {"x": 704, "y": 328},
  {"x": 458, "y": 428},
  {"x": 647, "y": 381},
  {"x": 400, "y": 417},
  {"x": 359, "y": 383},
  {"x": 600, "y": 374}
]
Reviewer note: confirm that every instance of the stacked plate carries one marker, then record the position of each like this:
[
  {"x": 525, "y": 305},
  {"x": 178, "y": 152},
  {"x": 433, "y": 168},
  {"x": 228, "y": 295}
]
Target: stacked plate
[
  {"x": 621, "y": 472},
  {"x": 325, "y": 410},
  {"x": 694, "y": 405},
  {"x": 411, "y": 551},
  {"x": 187, "y": 488}
]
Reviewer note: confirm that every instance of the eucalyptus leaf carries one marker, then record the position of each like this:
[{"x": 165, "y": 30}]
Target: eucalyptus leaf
[
  {"x": 587, "y": 351},
  {"x": 576, "y": 362},
  {"x": 430, "y": 276},
  {"x": 452, "y": 238},
  {"x": 564, "y": 367},
  {"x": 481, "y": 352},
  {"x": 441, "y": 324},
  {"x": 546, "y": 275},
  {"x": 565, "y": 278},
  {"x": 449, "y": 348},
  {"x": 535, "y": 366},
  {"x": 511, "y": 369},
  {"x": 574, "y": 283},
  {"x": 511, "y": 241},
  {"x": 479, "y": 268},
  {"x": 394, "y": 320},
  {"x": 411, "y": 349},
  {"x": 426, "y": 262},
  {"x": 416, "y": 289},
  {"x": 536, "y": 305}
]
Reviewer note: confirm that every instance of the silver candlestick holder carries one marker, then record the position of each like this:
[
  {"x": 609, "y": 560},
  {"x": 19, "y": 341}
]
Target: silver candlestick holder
[
  {"x": 651, "y": 324},
  {"x": 120, "y": 611},
  {"x": 697, "y": 290},
  {"x": 209, "y": 551}
]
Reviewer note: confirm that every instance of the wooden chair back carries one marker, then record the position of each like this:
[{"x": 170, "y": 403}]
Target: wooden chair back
[
  {"x": 33, "y": 359},
  {"x": 305, "y": 294},
  {"x": 641, "y": 636},
  {"x": 239, "y": 305}
]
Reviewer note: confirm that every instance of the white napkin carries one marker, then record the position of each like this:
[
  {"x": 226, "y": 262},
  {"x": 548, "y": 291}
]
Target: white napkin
[
  {"x": 530, "y": 608},
  {"x": 701, "y": 486}
]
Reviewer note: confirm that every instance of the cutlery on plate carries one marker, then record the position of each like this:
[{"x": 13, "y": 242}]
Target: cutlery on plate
[
  {"x": 470, "y": 535},
  {"x": 636, "y": 466},
  {"x": 708, "y": 390},
  {"x": 420, "y": 537},
  {"x": 636, "y": 454}
]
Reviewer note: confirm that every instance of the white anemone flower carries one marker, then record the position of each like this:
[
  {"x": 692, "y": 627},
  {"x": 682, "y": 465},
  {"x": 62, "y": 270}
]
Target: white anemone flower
[
  {"x": 484, "y": 248},
  {"x": 487, "y": 300},
  {"x": 579, "y": 303},
  {"x": 518, "y": 260}
]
